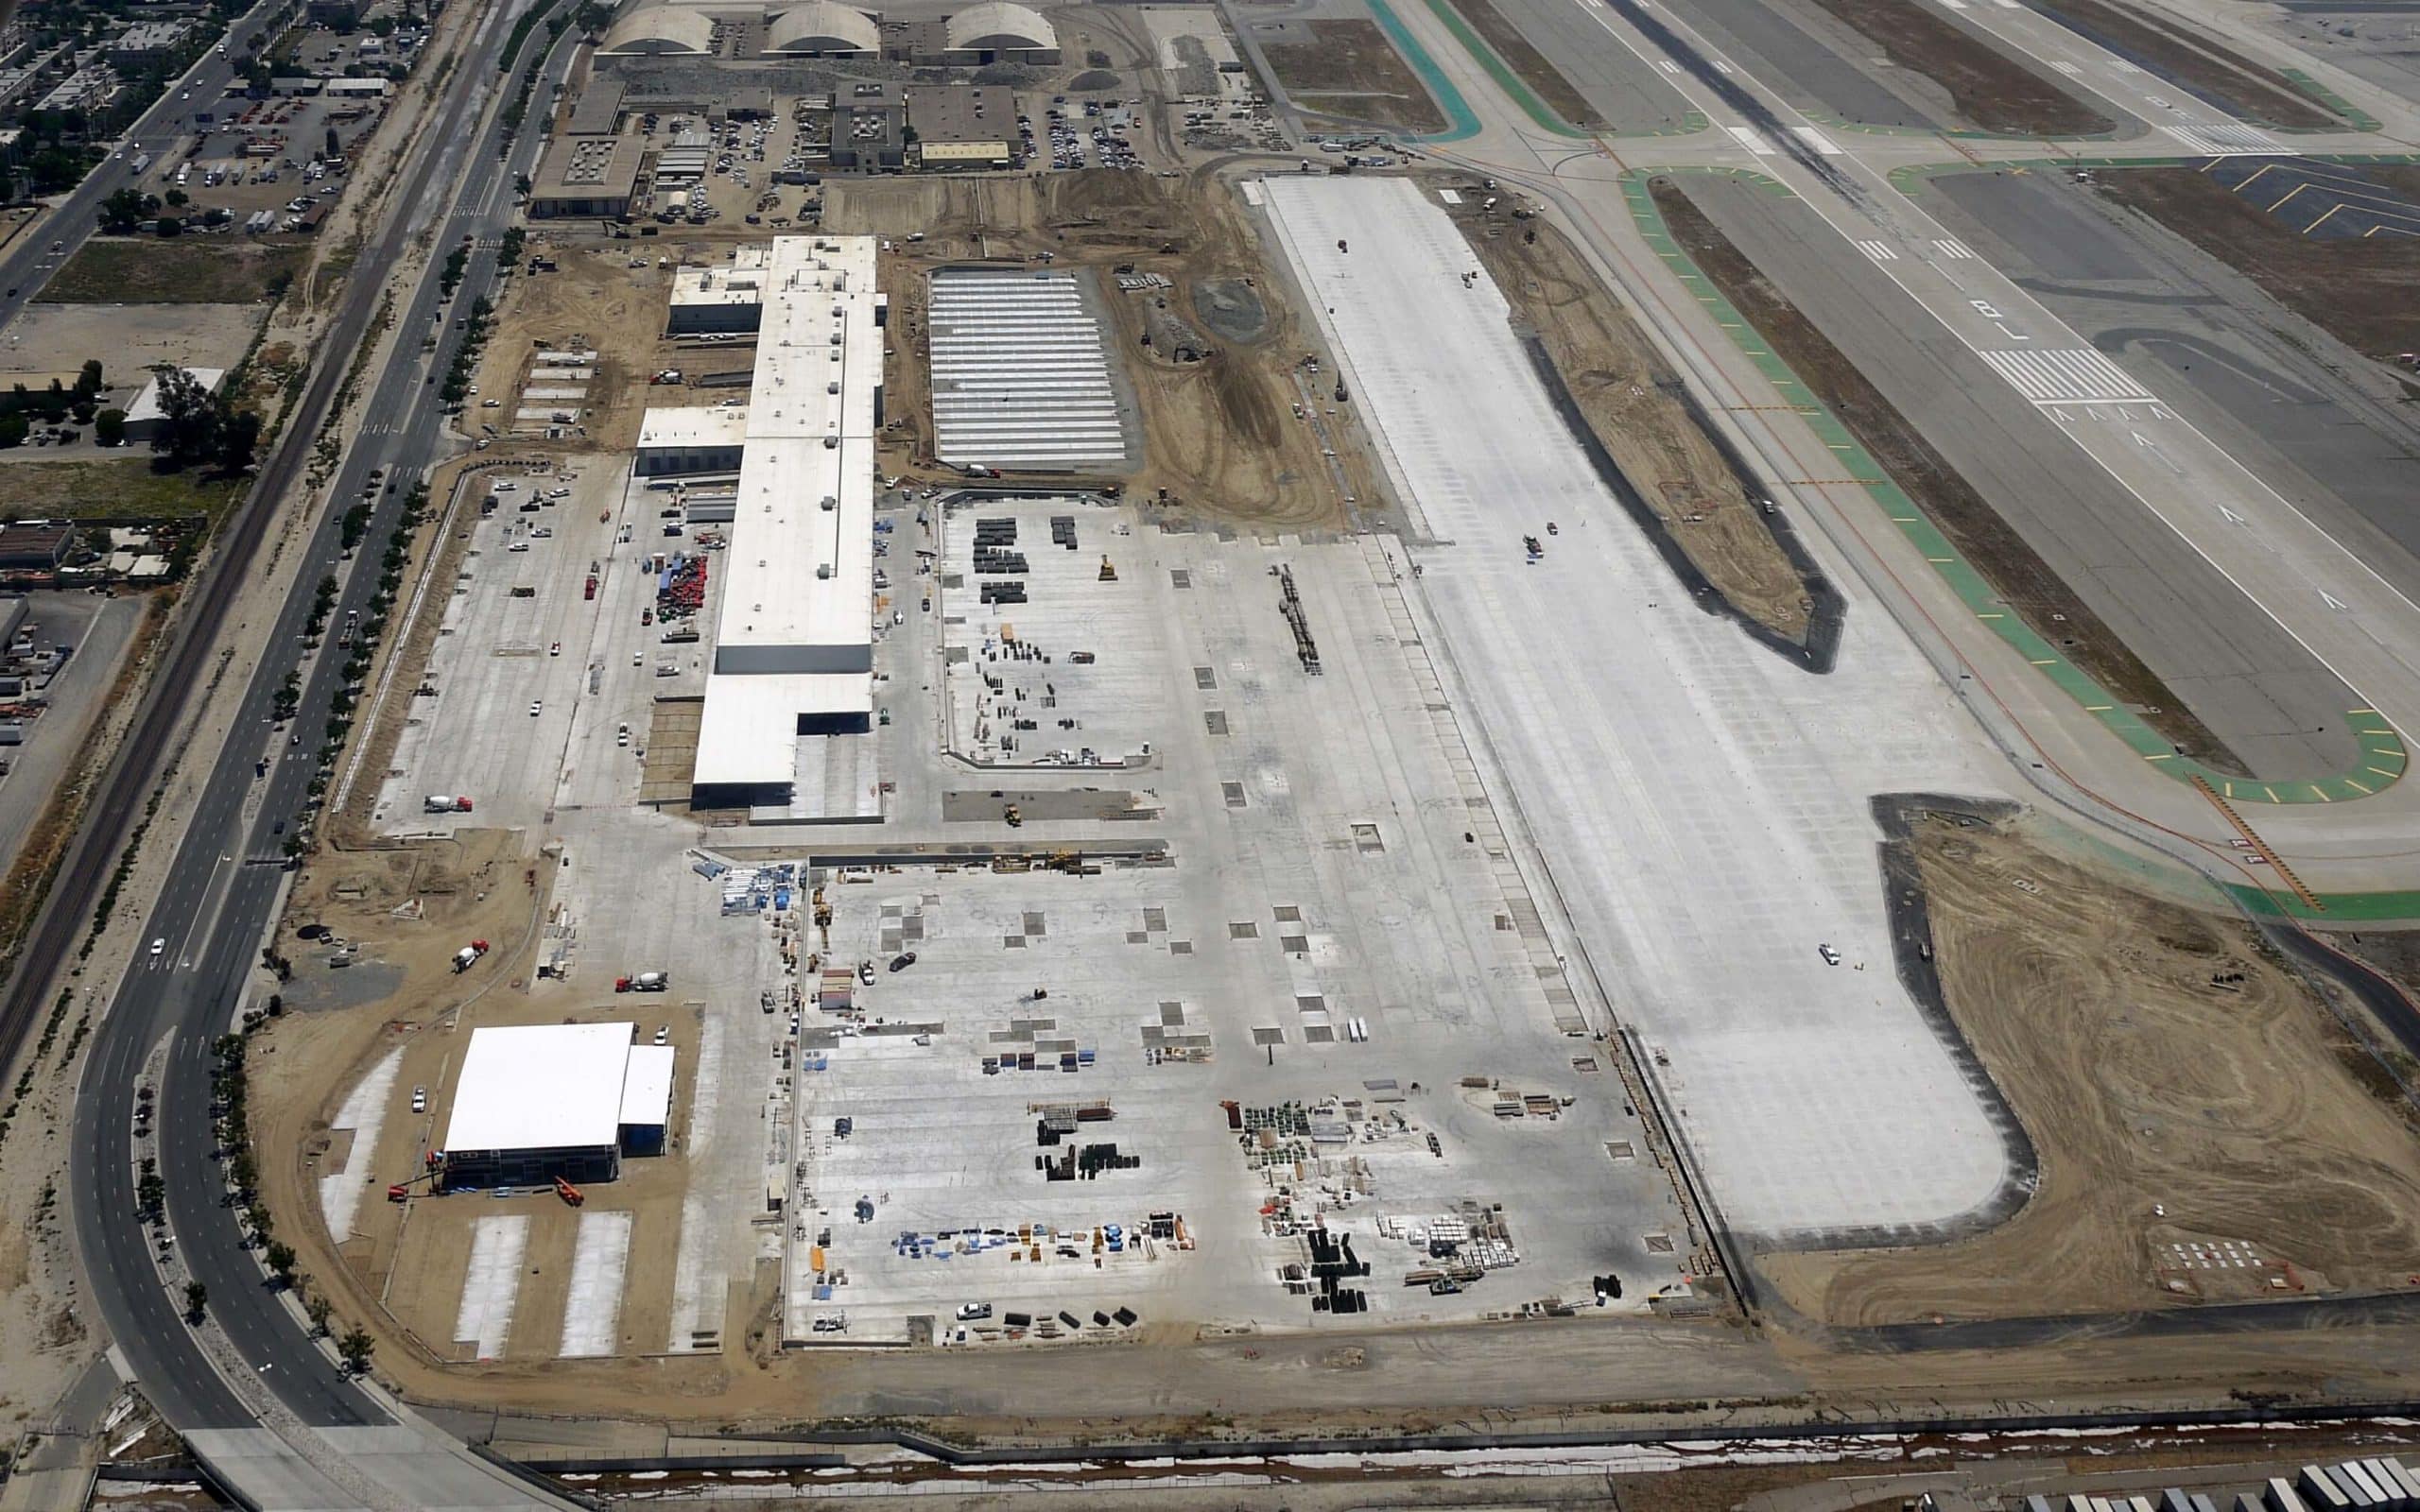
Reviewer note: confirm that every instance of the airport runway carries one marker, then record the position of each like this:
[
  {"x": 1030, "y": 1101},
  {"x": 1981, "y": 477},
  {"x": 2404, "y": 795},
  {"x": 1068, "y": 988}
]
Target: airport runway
[{"x": 2228, "y": 524}]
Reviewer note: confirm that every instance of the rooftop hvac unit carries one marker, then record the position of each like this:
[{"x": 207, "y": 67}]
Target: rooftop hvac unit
[
  {"x": 832, "y": 387},
  {"x": 824, "y": 570},
  {"x": 831, "y": 442},
  {"x": 831, "y": 501}
]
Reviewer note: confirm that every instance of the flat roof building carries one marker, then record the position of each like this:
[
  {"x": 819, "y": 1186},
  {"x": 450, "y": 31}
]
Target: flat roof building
[
  {"x": 961, "y": 125},
  {"x": 868, "y": 128},
  {"x": 587, "y": 176},
  {"x": 728, "y": 299},
  {"x": 794, "y": 637},
  {"x": 535, "y": 1101},
  {"x": 693, "y": 439}
]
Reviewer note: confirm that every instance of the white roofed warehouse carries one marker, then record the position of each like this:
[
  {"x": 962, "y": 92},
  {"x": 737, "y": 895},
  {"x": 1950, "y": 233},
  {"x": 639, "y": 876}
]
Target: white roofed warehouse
[
  {"x": 793, "y": 650},
  {"x": 537, "y": 1102}
]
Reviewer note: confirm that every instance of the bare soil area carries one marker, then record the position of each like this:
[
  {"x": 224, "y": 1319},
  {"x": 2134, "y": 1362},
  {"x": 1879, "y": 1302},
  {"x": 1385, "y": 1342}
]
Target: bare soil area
[
  {"x": 2017, "y": 573},
  {"x": 2250, "y": 89},
  {"x": 1985, "y": 85},
  {"x": 1349, "y": 70},
  {"x": 593, "y": 300},
  {"x": 2356, "y": 289},
  {"x": 1630, "y": 401},
  {"x": 1220, "y": 438},
  {"x": 1522, "y": 55},
  {"x": 2201, "y": 1132}
]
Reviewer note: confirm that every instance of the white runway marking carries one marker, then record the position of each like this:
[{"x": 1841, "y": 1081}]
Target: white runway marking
[
  {"x": 1752, "y": 139},
  {"x": 1950, "y": 246},
  {"x": 2067, "y": 68},
  {"x": 593, "y": 1308},
  {"x": 497, "y": 1246},
  {"x": 2072, "y": 376},
  {"x": 2224, "y": 139},
  {"x": 1817, "y": 140},
  {"x": 1879, "y": 251}
]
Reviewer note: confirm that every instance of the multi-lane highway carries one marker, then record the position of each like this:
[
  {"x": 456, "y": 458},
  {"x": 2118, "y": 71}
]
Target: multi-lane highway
[
  {"x": 223, "y": 885},
  {"x": 39, "y": 252}
]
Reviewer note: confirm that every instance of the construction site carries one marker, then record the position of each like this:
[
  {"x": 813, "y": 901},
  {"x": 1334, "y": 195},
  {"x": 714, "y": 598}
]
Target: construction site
[{"x": 1246, "y": 759}]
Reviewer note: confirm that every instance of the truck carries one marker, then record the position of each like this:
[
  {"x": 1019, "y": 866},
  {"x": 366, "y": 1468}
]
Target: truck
[
  {"x": 642, "y": 982},
  {"x": 444, "y": 803},
  {"x": 468, "y": 956}
]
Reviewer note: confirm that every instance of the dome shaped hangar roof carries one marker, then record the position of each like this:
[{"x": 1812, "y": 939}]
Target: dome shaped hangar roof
[
  {"x": 997, "y": 26},
  {"x": 821, "y": 27},
  {"x": 661, "y": 28}
]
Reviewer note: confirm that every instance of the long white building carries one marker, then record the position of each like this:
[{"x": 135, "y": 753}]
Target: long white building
[{"x": 794, "y": 640}]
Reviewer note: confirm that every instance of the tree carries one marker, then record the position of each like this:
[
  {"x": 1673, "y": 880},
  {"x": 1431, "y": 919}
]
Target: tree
[
  {"x": 176, "y": 199},
  {"x": 319, "y": 1309},
  {"x": 281, "y": 1262},
  {"x": 197, "y": 1298},
  {"x": 169, "y": 226},
  {"x": 14, "y": 428},
  {"x": 87, "y": 381},
  {"x": 109, "y": 427},
  {"x": 188, "y": 420},
  {"x": 239, "y": 434},
  {"x": 354, "y": 1348},
  {"x": 121, "y": 214}
]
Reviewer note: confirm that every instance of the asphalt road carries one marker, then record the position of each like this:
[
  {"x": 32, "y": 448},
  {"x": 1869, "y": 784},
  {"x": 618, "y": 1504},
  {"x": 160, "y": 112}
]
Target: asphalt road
[
  {"x": 223, "y": 885},
  {"x": 30, "y": 261}
]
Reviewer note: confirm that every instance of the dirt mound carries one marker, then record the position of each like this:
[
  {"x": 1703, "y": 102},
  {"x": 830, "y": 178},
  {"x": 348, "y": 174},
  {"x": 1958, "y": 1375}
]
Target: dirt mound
[
  {"x": 1231, "y": 308},
  {"x": 1091, "y": 81}
]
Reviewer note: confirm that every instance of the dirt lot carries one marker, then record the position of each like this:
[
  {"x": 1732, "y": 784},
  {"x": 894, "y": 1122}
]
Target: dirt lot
[
  {"x": 1523, "y": 58},
  {"x": 2181, "y": 1086},
  {"x": 1218, "y": 434},
  {"x": 147, "y": 270},
  {"x": 1349, "y": 70},
  {"x": 1985, "y": 85},
  {"x": 2357, "y": 289},
  {"x": 595, "y": 299},
  {"x": 1614, "y": 378},
  {"x": 2252, "y": 90},
  {"x": 58, "y": 337},
  {"x": 2015, "y": 572}
]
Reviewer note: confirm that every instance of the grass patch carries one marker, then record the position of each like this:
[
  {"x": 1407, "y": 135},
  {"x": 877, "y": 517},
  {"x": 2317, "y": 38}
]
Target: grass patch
[
  {"x": 116, "y": 488},
  {"x": 149, "y": 270},
  {"x": 1350, "y": 70}
]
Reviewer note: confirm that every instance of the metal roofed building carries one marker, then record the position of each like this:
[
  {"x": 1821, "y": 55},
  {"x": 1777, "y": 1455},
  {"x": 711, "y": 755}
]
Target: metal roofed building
[
  {"x": 1020, "y": 378},
  {"x": 144, "y": 416},
  {"x": 646, "y": 1099},
  {"x": 794, "y": 637},
  {"x": 535, "y": 1101}
]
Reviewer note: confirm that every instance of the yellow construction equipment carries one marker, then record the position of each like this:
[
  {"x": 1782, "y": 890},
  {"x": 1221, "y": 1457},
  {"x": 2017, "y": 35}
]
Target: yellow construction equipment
[{"x": 1108, "y": 571}]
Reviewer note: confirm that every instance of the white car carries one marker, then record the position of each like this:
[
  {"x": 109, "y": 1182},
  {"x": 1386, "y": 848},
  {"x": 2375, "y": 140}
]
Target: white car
[
  {"x": 535, "y": 705},
  {"x": 1831, "y": 956},
  {"x": 158, "y": 946},
  {"x": 420, "y": 1099}
]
